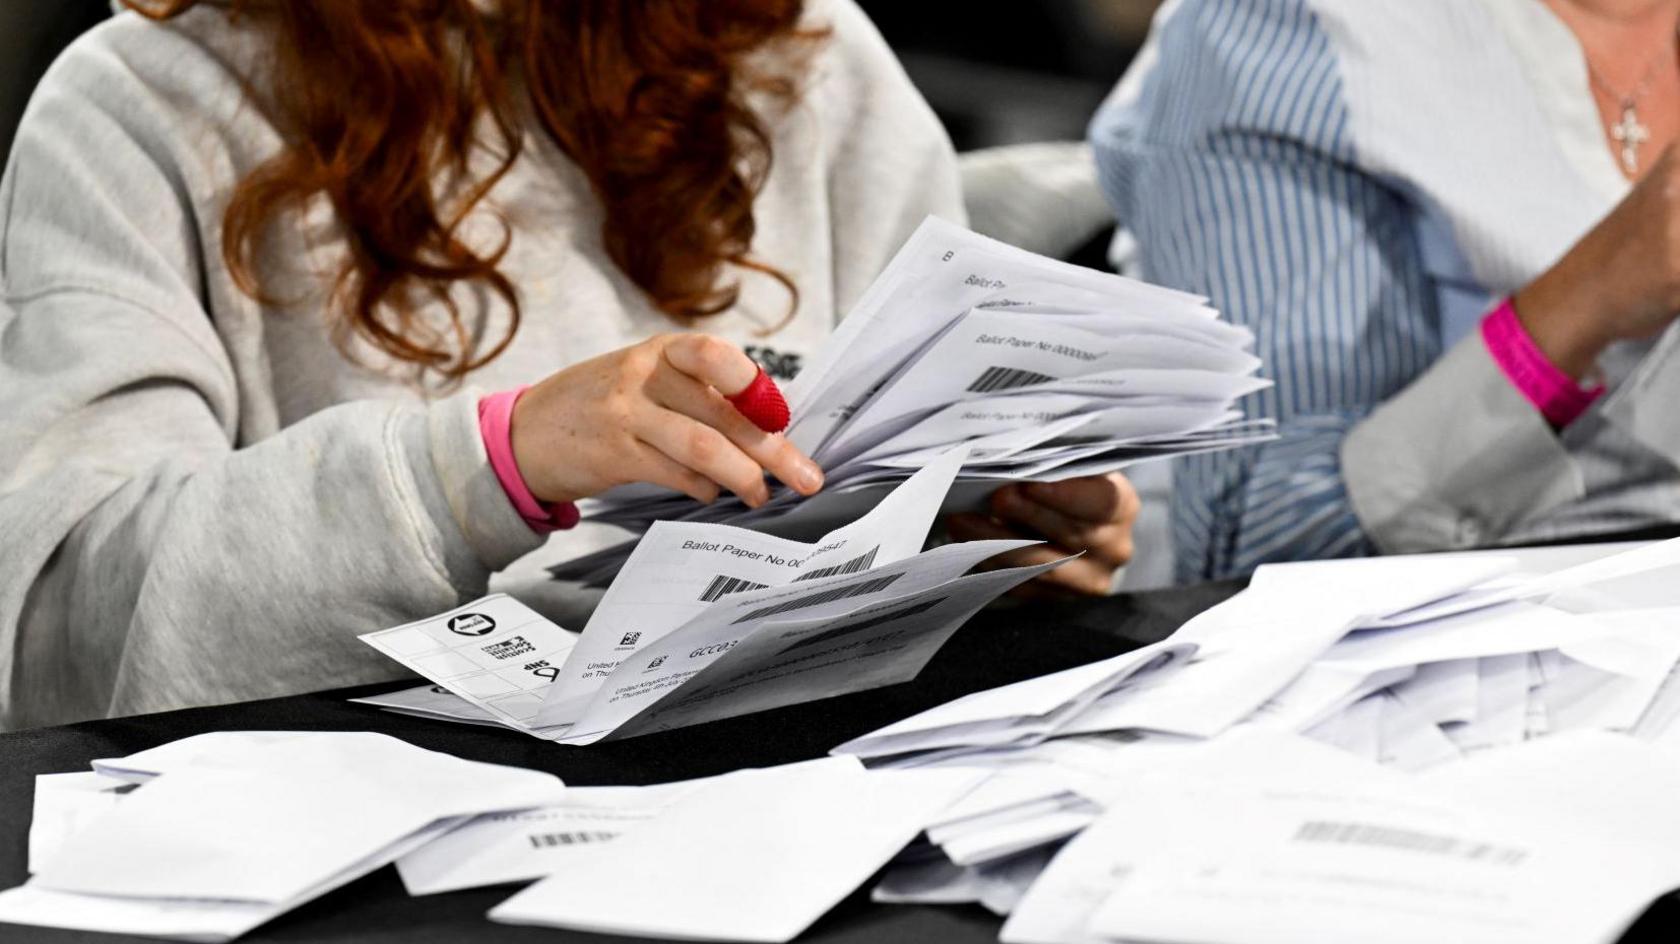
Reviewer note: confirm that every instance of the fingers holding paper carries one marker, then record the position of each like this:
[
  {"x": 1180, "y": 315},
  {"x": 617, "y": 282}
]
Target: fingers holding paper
[
  {"x": 1093, "y": 515},
  {"x": 707, "y": 372},
  {"x": 655, "y": 412}
]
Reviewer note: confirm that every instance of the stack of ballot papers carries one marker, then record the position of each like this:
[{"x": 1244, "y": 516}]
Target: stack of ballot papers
[
  {"x": 1456, "y": 747},
  {"x": 1322, "y": 696},
  {"x": 1411, "y": 661},
  {"x": 707, "y": 621},
  {"x": 1046, "y": 370},
  {"x": 209, "y": 837}
]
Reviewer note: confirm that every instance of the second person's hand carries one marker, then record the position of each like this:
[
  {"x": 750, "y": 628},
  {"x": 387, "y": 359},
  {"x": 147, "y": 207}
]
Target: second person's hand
[
  {"x": 1620, "y": 282},
  {"x": 1093, "y": 515},
  {"x": 655, "y": 412}
]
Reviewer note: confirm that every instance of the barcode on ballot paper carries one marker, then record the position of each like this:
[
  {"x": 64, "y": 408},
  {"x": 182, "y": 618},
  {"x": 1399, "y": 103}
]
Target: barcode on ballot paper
[
  {"x": 722, "y": 586},
  {"x": 856, "y": 564},
  {"x": 1410, "y": 840},
  {"x": 1006, "y": 378},
  {"x": 552, "y": 840},
  {"x": 818, "y": 599}
]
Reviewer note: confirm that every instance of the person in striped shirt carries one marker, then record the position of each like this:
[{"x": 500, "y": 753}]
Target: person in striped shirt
[{"x": 1454, "y": 226}]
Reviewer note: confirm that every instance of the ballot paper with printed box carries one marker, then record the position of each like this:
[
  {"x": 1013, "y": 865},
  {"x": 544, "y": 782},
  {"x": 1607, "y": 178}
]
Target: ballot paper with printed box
[
  {"x": 708, "y": 621},
  {"x": 1045, "y": 370}
]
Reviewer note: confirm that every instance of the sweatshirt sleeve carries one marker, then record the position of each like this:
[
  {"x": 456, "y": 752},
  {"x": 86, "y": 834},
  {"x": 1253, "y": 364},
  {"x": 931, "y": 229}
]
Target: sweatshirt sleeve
[{"x": 154, "y": 558}]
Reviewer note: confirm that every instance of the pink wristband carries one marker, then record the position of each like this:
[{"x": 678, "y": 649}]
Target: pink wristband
[
  {"x": 1558, "y": 397},
  {"x": 495, "y": 426}
]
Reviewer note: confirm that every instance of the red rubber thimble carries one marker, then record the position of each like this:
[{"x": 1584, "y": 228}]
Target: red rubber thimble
[{"x": 762, "y": 403}]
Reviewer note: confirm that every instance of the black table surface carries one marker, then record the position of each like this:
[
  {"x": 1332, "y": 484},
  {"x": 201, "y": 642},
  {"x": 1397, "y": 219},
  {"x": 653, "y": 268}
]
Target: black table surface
[{"x": 997, "y": 647}]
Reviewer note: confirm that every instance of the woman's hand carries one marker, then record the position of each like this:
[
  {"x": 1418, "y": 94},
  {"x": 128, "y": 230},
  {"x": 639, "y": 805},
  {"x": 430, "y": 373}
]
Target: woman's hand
[
  {"x": 654, "y": 413},
  {"x": 1620, "y": 282},
  {"x": 1092, "y": 514}
]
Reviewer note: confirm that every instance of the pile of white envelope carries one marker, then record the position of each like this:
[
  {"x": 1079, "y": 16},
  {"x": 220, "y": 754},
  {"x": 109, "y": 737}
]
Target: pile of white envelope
[
  {"x": 1439, "y": 747},
  {"x": 1426, "y": 748},
  {"x": 1046, "y": 370},
  {"x": 707, "y": 621},
  {"x": 207, "y": 838}
]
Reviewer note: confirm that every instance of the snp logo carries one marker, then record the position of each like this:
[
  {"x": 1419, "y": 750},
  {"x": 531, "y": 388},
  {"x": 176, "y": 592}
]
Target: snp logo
[
  {"x": 629, "y": 639},
  {"x": 471, "y": 624},
  {"x": 656, "y": 663}
]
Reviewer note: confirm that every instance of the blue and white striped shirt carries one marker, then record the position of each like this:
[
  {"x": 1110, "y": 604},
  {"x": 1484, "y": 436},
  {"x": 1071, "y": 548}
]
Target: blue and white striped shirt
[{"x": 1247, "y": 169}]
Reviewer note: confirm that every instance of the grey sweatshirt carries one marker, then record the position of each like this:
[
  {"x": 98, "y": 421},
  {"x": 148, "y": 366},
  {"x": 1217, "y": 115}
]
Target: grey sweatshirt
[{"x": 201, "y": 499}]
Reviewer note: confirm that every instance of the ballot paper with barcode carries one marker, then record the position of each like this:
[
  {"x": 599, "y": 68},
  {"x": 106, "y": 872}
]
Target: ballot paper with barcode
[
  {"x": 754, "y": 855},
  {"x": 1561, "y": 840},
  {"x": 1045, "y": 370},
  {"x": 520, "y": 845},
  {"x": 708, "y": 621}
]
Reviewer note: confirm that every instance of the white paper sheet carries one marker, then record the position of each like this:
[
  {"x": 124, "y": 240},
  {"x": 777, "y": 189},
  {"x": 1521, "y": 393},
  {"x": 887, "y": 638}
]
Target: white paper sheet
[
  {"x": 1501, "y": 705},
  {"x": 997, "y": 886},
  {"x": 1023, "y": 712},
  {"x": 1634, "y": 561},
  {"x": 920, "y": 601},
  {"x": 753, "y": 856},
  {"x": 64, "y": 803},
  {"x": 677, "y": 571},
  {"x": 525, "y": 844},
  {"x": 430, "y": 701},
  {"x": 304, "y": 809},
  {"x": 676, "y": 642},
  {"x": 1441, "y": 692},
  {"x": 1059, "y": 906},
  {"x": 206, "y": 920},
  {"x": 496, "y": 652},
  {"x": 1564, "y": 844},
  {"x": 789, "y": 662},
  {"x": 1409, "y": 740},
  {"x": 956, "y": 319}
]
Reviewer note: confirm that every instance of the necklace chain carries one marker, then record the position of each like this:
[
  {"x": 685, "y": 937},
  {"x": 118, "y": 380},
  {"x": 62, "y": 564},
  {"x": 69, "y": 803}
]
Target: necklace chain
[
  {"x": 1629, "y": 132},
  {"x": 1628, "y": 99}
]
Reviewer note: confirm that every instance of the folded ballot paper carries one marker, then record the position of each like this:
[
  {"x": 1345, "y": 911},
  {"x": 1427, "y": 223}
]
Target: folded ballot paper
[
  {"x": 755, "y": 855},
  {"x": 708, "y": 621},
  {"x": 208, "y": 837},
  {"x": 1403, "y": 737},
  {"x": 1446, "y": 649},
  {"x": 1254, "y": 838},
  {"x": 1046, "y": 370}
]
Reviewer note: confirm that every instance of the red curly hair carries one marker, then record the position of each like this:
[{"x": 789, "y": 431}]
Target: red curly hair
[{"x": 383, "y": 102}]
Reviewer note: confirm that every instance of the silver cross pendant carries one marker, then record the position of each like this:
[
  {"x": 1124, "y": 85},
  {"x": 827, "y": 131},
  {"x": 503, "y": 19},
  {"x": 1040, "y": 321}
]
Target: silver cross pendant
[{"x": 1630, "y": 134}]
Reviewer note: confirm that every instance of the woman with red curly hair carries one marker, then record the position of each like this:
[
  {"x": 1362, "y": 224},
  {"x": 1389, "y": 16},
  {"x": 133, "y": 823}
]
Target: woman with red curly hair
[{"x": 262, "y": 258}]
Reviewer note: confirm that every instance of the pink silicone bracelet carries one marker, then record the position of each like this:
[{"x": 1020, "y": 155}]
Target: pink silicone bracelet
[
  {"x": 1558, "y": 397},
  {"x": 495, "y": 425}
]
